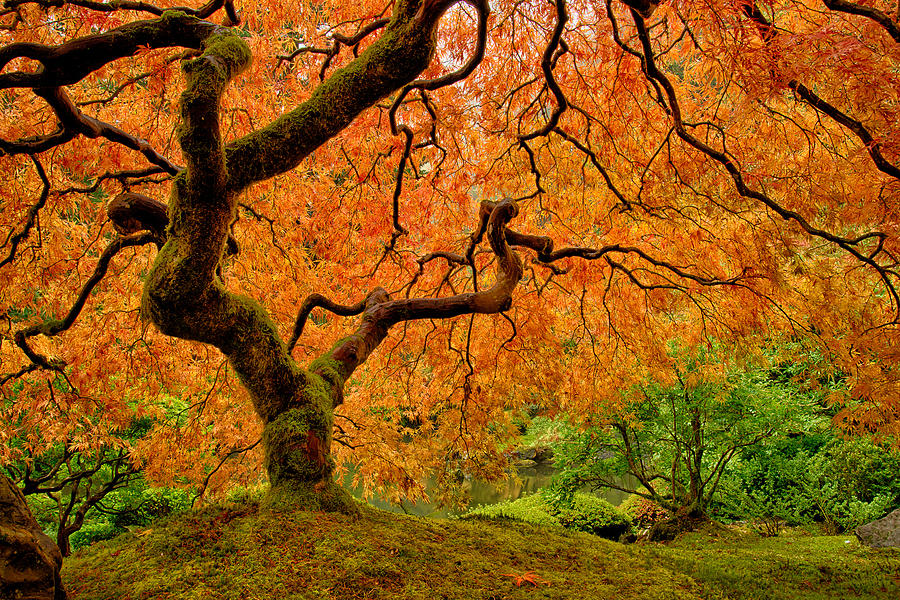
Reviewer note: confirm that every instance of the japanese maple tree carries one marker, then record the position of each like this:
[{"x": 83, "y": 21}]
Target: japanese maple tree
[{"x": 403, "y": 223}]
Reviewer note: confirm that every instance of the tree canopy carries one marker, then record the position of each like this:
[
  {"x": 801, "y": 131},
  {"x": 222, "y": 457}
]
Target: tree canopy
[{"x": 404, "y": 223}]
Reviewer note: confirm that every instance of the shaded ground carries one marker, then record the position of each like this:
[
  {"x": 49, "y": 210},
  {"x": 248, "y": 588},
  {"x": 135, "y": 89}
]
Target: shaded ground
[{"x": 242, "y": 551}]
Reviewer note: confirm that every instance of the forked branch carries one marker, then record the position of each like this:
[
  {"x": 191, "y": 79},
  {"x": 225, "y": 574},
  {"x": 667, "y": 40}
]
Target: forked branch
[{"x": 382, "y": 312}]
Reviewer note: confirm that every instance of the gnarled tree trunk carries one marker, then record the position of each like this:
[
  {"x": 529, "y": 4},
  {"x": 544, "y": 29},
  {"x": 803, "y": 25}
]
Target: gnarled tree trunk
[{"x": 183, "y": 295}]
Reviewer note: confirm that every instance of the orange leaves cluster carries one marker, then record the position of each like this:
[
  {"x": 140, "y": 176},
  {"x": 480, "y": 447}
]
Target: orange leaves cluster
[{"x": 448, "y": 396}]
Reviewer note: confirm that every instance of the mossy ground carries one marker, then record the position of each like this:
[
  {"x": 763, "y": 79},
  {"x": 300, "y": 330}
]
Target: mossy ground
[{"x": 244, "y": 551}]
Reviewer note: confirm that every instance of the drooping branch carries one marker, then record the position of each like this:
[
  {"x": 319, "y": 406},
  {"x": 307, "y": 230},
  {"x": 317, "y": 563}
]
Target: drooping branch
[
  {"x": 209, "y": 476},
  {"x": 70, "y": 62},
  {"x": 545, "y": 254},
  {"x": 768, "y": 32},
  {"x": 850, "y": 244},
  {"x": 869, "y": 12},
  {"x": 592, "y": 156},
  {"x": 398, "y": 184}
]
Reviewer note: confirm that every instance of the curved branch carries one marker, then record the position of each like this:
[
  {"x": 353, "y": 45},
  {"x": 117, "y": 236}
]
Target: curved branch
[
  {"x": 556, "y": 47},
  {"x": 483, "y": 11},
  {"x": 384, "y": 312},
  {"x": 36, "y": 144},
  {"x": 21, "y": 372},
  {"x": 122, "y": 177},
  {"x": 544, "y": 248},
  {"x": 319, "y": 301},
  {"x": 55, "y": 326},
  {"x": 182, "y": 295},
  {"x": 73, "y": 61},
  {"x": 75, "y": 121},
  {"x": 131, "y": 212},
  {"x": 869, "y": 12}
]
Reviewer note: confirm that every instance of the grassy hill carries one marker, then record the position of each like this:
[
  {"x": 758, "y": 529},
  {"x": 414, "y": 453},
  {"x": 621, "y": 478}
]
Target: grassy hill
[{"x": 246, "y": 551}]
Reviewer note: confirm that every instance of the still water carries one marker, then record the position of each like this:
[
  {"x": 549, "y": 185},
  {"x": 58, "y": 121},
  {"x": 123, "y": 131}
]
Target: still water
[{"x": 529, "y": 481}]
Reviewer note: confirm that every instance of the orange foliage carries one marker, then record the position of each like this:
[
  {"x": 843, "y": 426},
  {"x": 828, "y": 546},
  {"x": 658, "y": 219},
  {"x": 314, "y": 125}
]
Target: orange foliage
[{"x": 693, "y": 257}]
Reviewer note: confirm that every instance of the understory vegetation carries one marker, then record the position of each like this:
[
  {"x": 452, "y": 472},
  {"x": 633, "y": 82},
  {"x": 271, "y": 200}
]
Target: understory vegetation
[
  {"x": 247, "y": 550},
  {"x": 584, "y": 513},
  {"x": 754, "y": 443}
]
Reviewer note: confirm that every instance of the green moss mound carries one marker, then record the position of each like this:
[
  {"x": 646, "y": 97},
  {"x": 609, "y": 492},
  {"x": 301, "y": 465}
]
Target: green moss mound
[
  {"x": 243, "y": 549},
  {"x": 586, "y": 513}
]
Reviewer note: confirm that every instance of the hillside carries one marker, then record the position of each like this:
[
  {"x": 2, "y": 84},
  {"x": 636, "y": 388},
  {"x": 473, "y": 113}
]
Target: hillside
[{"x": 244, "y": 551}]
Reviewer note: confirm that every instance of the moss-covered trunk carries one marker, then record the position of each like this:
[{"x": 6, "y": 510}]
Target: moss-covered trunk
[
  {"x": 297, "y": 444},
  {"x": 184, "y": 296}
]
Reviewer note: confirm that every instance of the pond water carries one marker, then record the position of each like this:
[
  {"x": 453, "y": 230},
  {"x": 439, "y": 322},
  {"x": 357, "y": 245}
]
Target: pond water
[{"x": 529, "y": 481}]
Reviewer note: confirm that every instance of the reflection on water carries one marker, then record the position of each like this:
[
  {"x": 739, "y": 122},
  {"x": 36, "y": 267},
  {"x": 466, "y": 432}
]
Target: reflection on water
[{"x": 529, "y": 481}]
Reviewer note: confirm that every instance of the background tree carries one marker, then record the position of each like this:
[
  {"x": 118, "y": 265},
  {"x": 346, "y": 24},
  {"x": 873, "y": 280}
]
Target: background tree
[
  {"x": 675, "y": 444},
  {"x": 596, "y": 179}
]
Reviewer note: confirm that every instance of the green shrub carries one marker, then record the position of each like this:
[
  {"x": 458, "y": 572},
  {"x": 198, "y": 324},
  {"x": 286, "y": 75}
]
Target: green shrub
[
  {"x": 529, "y": 509},
  {"x": 131, "y": 507},
  {"x": 813, "y": 478},
  {"x": 585, "y": 513},
  {"x": 594, "y": 515},
  {"x": 138, "y": 507},
  {"x": 93, "y": 531}
]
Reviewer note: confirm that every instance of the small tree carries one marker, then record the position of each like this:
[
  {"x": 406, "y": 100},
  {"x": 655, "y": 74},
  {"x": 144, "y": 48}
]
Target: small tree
[
  {"x": 74, "y": 482},
  {"x": 671, "y": 442}
]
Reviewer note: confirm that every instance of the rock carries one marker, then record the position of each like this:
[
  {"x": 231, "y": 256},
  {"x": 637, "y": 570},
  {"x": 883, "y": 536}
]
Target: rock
[
  {"x": 883, "y": 533},
  {"x": 29, "y": 559},
  {"x": 534, "y": 453},
  {"x": 526, "y": 453},
  {"x": 524, "y": 463},
  {"x": 543, "y": 454}
]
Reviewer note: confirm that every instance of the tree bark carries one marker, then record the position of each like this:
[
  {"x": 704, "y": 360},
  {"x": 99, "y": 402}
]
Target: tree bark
[{"x": 29, "y": 560}]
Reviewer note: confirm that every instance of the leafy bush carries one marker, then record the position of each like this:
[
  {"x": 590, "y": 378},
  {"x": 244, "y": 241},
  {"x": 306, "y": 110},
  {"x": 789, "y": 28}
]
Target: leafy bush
[
  {"x": 139, "y": 507},
  {"x": 529, "y": 509},
  {"x": 594, "y": 515},
  {"x": 93, "y": 531},
  {"x": 585, "y": 513},
  {"x": 813, "y": 478}
]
